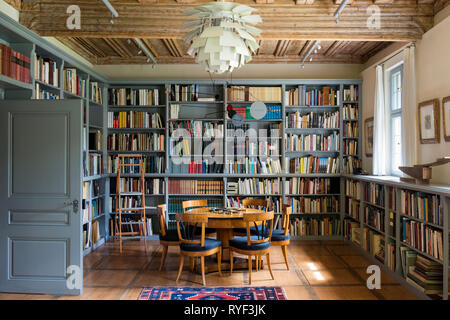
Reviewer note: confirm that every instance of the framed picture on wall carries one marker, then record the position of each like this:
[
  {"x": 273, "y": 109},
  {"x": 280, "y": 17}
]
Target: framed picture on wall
[
  {"x": 368, "y": 132},
  {"x": 446, "y": 117},
  {"x": 429, "y": 121}
]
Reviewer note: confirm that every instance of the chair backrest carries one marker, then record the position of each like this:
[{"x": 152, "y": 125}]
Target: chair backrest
[
  {"x": 262, "y": 235},
  {"x": 191, "y": 204},
  {"x": 161, "y": 210},
  {"x": 256, "y": 204},
  {"x": 287, "y": 211},
  {"x": 187, "y": 223}
]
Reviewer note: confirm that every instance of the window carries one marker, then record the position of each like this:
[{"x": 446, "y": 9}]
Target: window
[{"x": 395, "y": 111}]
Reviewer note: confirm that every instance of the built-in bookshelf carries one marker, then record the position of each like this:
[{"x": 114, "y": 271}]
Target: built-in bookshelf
[
  {"x": 294, "y": 154},
  {"x": 405, "y": 227},
  {"x": 43, "y": 71}
]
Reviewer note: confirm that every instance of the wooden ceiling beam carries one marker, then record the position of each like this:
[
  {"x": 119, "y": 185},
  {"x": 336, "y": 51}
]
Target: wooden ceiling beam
[{"x": 403, "y": 20}]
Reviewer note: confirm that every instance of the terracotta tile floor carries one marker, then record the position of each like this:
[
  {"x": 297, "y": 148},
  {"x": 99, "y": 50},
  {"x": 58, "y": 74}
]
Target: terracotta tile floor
[{"x": 330, "y": 270}]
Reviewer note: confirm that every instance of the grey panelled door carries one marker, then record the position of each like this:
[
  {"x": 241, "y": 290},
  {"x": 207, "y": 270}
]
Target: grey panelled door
[{"x": 40, "y": 196}]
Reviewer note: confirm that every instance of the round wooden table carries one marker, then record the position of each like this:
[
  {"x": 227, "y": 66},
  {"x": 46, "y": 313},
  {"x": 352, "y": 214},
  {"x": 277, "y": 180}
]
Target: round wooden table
[{"x": 224, "y": 223}]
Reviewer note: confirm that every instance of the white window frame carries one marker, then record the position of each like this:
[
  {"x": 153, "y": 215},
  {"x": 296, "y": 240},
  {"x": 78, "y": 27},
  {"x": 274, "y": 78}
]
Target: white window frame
[{"x": 397, "y": 113}]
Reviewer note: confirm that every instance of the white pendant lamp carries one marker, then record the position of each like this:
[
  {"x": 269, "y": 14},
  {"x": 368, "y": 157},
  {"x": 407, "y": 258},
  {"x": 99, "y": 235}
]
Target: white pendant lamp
[{"x": 221, "y": 37}]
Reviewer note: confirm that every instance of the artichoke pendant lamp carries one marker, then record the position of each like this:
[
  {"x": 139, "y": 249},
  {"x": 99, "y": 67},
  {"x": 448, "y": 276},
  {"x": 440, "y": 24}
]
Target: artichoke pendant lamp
[{"x": 222, "y": 37}]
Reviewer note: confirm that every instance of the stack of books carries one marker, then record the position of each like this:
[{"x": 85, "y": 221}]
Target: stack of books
[
  {"x": 14, "y": 64},
  {"x": 426, "y": 275}
]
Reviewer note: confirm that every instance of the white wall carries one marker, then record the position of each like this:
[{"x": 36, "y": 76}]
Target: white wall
[
  {"x": 432, "y": 81},
  {"x": 287, "y": 71}
]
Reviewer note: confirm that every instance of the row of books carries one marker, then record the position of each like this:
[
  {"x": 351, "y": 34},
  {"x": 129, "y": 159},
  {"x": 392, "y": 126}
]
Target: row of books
[
  {"x": 350, "y": 130},
  {"x": 325, "y": 96},
  {"x": 175, "y": 205},
  {"x": 252, "y": 165},
  {"x": 151, "y": 186},
  {"x": 195, "y": 166},
  {"x": 247, "y": 93},
  {"x": 301, "y": 120},
  {"x": 312, "y": 142},
  {"x": 422, "y": 237},
  {"x": 195, "y": 187},
  {"x": 315, "y": 227},
  {"x": 42, "y": 94},
  {"x": 134, "y": 119},
  {"x": 95, "y": 140},
  {"x": 353, "y": 188},
  {"x": 263, "y": 147},
  {"x": 375, "y": 244},
  {"x": 188, "y": 92},
  {"x": 422, "y": 206},
  {"x": 313, "y": 204},
  {"x": 46, "y": 70},
  {"x": 273, "y": 112},
  {"x": 196, "y": 129},
  {"x": 350, "y": 147},
  {"x": 312, "y": 164},
  {"x": 152, "y": 164},
  {"x": 96, "y": 94},
  {"x": 351, "y": 164},
  {"x": 422, "y": 273},
  {"x": 374, "y": 193},
  {"x": 245, "y": 130},
  {"x": 136, "y": 142},
  {"x": 125, "y": 202},
  {"x": 312, "y": 186},
  {"x": 73, "y": 83},
  {"x": 350, "y": 112},
  {"x": 351, "y": 93},
  {"x": 131, "y": 224},
  {"x": 92, "y": 164},
  {"x": 291, "y": 97},
  {"x": 91, "y": 234},
  {"x": 14, "y": 65},
  {"x": 352, "y": 208},
  {"x": 374, "y": 217},
  {"x": 134, "y": 97},
  {"x": 255, "y": 186},
  {"x": 183, "y": 149}
]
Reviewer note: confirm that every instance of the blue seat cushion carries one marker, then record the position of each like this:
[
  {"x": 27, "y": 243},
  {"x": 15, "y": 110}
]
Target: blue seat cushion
[
  {"x": 241, "y": 243},
  {"x": 171, "y": 235},
  {"x": 196, "y": 247},
  {"x": 278, "y": 235}
]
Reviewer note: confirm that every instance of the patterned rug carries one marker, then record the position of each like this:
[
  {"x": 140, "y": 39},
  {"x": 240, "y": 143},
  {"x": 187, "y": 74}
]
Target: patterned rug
[{"x": 213, "y": 293}]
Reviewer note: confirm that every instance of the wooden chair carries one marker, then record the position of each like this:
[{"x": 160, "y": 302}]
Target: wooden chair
[
  {"x": 166, "y": 237},
  {"x": 281, "y": 237},
  {"x": 191, "y": 246},
  {"x": 193, "y": 204},
  {"x": 260, "y": 204},
  {"x": 256, "y": 245}
]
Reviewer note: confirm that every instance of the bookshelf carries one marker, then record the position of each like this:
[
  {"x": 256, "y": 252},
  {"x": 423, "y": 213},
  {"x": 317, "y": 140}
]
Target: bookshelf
[
  {"x": 44, "y": 80},
  {"x": 194, "y": 117},
  {"x": 410, "y": 221}
]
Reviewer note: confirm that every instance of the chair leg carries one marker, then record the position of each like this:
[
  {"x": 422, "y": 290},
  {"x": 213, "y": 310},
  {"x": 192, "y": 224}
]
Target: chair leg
[
  {"x": 202, "y": 261},
  {"x": 181, "y": 267},
  {"x": 231, "y": 261},
  {"x": 192, "y": 263},
  {"x": 249, "y": 270},
  {"x": 284, "y": 249},
  {"x": 163, "y": 258},
  {"x": 219, "y": 261},
  {"x": 268, "y": 263}
]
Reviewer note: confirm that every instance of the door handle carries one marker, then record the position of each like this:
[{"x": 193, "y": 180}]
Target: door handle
[{"x": 74, "y": 204}]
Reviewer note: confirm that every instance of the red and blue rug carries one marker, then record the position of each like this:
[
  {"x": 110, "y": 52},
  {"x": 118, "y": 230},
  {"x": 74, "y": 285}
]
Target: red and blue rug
[{"x": 212, "y": 293}]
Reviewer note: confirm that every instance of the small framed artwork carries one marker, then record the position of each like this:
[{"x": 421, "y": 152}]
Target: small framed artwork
[
  {"x": 429, "y": 121},
  {"x": 368, "y": 132},
  {"x": 446, "y": 117}
]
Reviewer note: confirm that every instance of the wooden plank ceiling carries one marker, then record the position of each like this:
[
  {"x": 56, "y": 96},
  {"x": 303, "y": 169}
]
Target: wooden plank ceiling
[{"x": 289, "y": 28}]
